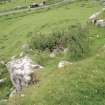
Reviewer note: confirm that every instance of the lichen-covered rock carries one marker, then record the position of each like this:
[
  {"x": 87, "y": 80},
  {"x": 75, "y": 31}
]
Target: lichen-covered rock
[{"x": 20, "y": 71}]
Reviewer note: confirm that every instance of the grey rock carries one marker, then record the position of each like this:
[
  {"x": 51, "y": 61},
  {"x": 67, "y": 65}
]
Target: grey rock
[
  {"x": 100, "y": 23},
  {"x": 62, "y": 64},
  {"x": 66, "y": 50},
  {"x": 20, "y": 71},
  {"x": 52, "y": 55}
]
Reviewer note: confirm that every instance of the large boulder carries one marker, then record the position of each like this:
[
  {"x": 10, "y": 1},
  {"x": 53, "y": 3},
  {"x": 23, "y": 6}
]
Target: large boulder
[{"x": 20, "y": 71}]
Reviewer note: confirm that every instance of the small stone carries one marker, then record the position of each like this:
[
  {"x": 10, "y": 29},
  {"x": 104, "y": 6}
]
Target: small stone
[
  {"x": 2, "y": 81},
  {"x": 22, "y": 95},
  {"x": 36, "y": 66},
  {"x": 66, "y": 50},
  {"x": 52, "y": 55},
  {"x": 63, "y": 64},
  {"x": 100, "y": 23}
]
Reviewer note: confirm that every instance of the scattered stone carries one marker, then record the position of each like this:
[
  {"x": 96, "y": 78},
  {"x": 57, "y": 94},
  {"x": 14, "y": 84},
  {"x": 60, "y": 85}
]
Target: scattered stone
[
  {"x": 20, "y": 71},
  {"x": 94, "y": 19},
  {"x": 94, "y": 16},
  {"x": 37, "y": 66},
  {"x": 34, "y": 5},
  {"x": 63, "y": 64},
  {"x": 2, "y": 81},
  {"x": 100, "y": 23},
  {"x": 41, "y": 4},
  {"x": 22, "y": 95},
  {"x": 52, "y": 55},
  {"x": 66, "y": 50},
  {"x": 57, "y": 50}
]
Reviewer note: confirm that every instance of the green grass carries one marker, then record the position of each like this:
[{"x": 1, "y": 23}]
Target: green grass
[
  {"x": 15, "y": 3},
  {"x": 82, "y": 83},
  {"x": 79, "y": 84},
  {"x": 16, "y": 31}
]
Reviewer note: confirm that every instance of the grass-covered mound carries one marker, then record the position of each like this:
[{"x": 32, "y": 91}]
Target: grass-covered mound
[{"x": 81, "y": 83}]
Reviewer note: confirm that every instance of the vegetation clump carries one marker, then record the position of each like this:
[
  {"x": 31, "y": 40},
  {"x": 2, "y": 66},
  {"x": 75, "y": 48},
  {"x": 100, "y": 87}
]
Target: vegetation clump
[{"x": 73, "y": 37}]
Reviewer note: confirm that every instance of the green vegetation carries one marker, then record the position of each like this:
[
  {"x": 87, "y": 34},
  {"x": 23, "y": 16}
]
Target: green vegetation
[
  {"x": 16, "y": 4},
  {"x": 74, "y": 37},
  {"x": 4, "y": 88},
  {"x": 102, "y": 15},
  {"x": 5, "y": 6},
  {"x": 45, "y": 21},
  {"x": 81, "y": 83}
]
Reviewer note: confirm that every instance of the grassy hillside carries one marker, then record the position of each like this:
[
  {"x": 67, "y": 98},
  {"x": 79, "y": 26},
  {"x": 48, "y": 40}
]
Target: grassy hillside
[{"x": 81, "y": 83}]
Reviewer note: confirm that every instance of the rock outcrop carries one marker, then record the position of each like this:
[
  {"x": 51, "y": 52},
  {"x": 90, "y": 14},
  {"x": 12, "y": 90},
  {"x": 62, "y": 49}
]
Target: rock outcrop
[{"x": 21, "y": 70}]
